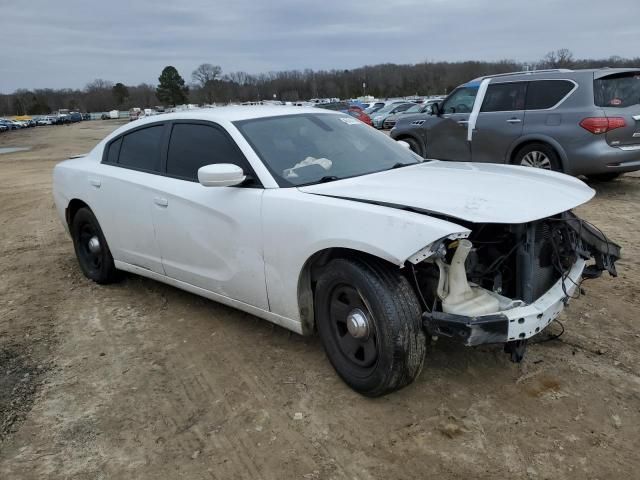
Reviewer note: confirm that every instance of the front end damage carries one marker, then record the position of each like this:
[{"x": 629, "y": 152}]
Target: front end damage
[{"x": 507, "y": 283}]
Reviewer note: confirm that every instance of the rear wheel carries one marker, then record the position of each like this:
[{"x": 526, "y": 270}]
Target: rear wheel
[
  {"x": 369, "y": 321},
  {"x": 538, "y": 155},
  {"x": 91, "y": 248},
  {"x": 604, "y": 177}
]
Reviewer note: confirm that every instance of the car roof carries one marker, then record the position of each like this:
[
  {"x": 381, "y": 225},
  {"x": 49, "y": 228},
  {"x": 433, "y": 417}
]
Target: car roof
[
  {"x": 556, "y": 73},
  {"x": 234, "y": 113}
]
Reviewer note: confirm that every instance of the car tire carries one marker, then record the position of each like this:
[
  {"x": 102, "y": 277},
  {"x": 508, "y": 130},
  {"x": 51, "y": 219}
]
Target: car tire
[
  {"x": 538, "y": 155},
  {"x": 92, "y": 250},
  {"x": 385, "y": 349},
  {"x": 604, "y": 177},
  {"x": 414, "y": 145}
]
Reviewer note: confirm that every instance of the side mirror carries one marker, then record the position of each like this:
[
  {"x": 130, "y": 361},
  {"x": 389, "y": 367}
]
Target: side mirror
[
  {"x": 436, "y": 109},
  {"x": 404, "y": 144},
  {"x": 220, "y": 175}
]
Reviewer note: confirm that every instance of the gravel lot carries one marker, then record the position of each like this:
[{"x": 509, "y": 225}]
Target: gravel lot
[{"x": 140, "y": 380}]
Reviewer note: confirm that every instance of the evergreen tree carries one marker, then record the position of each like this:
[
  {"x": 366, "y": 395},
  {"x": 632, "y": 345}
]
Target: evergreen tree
[{"x": 172, "y": 90}]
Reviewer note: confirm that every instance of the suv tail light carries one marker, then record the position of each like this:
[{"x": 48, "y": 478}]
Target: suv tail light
[{"x": 598, "y": 125}]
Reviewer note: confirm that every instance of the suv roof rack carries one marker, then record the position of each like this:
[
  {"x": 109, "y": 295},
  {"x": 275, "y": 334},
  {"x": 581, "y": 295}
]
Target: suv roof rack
[{"x": 524, "y": 72}]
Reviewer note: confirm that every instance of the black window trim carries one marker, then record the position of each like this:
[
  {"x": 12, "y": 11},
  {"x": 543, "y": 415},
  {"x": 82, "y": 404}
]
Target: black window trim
[
  {"x": 164, "y": 150},
  {"x": 163, "y": 145}
]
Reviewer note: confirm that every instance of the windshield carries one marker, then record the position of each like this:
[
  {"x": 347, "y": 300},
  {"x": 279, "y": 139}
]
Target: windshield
[
  {"x": 311, "y": 148},
  {"x": 620, "y": 90}
]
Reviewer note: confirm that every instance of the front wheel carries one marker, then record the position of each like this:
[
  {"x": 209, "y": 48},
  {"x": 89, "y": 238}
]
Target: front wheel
[
  {"x": 369, "y": 321},
  {"x": 414, "y": 145}
]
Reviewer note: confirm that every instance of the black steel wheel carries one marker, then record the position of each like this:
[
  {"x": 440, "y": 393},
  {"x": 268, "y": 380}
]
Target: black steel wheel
[
  {"x": 369, "y": 321},
  {"x": 91, "y": 248}
]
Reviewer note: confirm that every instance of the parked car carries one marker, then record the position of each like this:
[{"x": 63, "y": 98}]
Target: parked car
[
  {"x": 580, "y": 122},
  {"x": 10, "y": 124},
  {"x": 391, "y": 120},
  {"x": 3, "y": 128},
  {"x": 381, "y": 115},
  {"x": 44, "y": 121},
  {"x": 310, "y": 220},
  {"x": 379, "y": 105},
  {"x": 348, "y": 108},
  {"x": 74, "y": 117}
]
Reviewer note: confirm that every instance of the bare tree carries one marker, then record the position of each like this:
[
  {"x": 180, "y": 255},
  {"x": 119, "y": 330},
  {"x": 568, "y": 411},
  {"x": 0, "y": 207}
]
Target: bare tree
[{"x": 204, "y": 77}]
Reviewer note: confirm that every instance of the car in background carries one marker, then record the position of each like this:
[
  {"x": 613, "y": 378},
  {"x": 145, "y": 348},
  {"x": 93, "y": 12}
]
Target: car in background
[
  {"x": 580, "y": 122},
  {"x": 381, "y": 115},
  {"x": 75, "y": 117},
  {"x": 307, "y": 218},
  {"x": 391, "y": 120},
  {"x": 10, "y": 124},
  {"x": 348, "y": 108},
  {"x": 45, "y": 120}
]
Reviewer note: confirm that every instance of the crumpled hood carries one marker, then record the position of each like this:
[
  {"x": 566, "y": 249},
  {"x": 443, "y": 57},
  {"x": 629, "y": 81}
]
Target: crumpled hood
[{"x": 476, "y": 192}]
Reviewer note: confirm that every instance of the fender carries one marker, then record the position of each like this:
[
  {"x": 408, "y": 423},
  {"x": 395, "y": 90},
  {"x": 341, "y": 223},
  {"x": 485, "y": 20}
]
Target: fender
[{"x": 297, "y": 225}]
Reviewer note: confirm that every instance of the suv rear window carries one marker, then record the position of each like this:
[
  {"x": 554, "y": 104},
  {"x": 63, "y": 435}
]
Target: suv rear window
[
  {"x": 618, "y": 91},
  {"x": 542, "y": 94}
]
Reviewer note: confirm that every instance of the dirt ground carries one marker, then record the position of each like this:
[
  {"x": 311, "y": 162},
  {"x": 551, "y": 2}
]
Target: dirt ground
[{"x": 140, "y": 380}]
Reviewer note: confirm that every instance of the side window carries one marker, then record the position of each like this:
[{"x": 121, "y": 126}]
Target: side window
[
  {"x": 192, "y": 146},
  {"x": 141, "y": 149},
  {"x": 504, "y": 97},
  {"x": 461, "y": 100},
  {"x": 543, "y": 94},
  {"x": 402, "y": 108},
  {"x": 114, "y": 150}
]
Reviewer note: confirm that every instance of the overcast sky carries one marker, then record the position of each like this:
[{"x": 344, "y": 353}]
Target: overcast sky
[{"x": 68, "y": 43}]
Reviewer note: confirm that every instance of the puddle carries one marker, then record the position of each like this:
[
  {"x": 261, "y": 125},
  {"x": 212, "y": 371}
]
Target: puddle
[{"x": 13, "y": 149}]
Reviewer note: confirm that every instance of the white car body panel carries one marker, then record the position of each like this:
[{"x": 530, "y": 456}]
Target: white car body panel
[
  {"x": 475, "y": 192},
  {"x": 298, "y": 225},
  {"x": 247, "y": 247}
]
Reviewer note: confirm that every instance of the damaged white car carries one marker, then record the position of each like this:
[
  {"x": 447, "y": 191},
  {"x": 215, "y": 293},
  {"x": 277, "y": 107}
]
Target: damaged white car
[{"x": 316, "y": 222}]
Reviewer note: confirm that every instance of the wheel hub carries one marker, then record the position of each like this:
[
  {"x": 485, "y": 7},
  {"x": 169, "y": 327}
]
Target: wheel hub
[
  {"x": 536, "y": 159},
  {"x": 94, "y": 245},
  {"x": 357, "y": 323}
]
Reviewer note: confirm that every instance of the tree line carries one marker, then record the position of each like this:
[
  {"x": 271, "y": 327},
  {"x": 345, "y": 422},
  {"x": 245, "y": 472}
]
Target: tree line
[{"x": 209, "y": 85}]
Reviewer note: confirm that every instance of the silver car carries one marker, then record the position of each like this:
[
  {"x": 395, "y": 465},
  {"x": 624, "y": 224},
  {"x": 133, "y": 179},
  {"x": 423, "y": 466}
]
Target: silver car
[{"x": 580, "y": 122}]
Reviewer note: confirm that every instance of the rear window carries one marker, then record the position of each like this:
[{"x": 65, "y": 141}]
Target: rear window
[
  {"x": 542, "y": 94},
  {"x": 618, "y": 91},
  {"x": 141, "y": 149}
]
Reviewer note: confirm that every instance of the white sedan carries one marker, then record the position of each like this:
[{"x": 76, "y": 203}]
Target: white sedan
[{"x": 311, "y": 220}]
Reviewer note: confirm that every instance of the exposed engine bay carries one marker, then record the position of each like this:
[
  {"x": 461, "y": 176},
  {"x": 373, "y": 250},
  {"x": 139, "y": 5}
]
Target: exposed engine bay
[{"x": 470, "y": 287}]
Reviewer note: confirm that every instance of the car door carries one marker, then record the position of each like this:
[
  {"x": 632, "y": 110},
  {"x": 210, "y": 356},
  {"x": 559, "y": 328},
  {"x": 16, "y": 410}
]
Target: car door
[
  {"x": 447, "y": 134},
  {"x": 499, "y": 123},
  {"x": 122, "y": 192},
  {"x": 210, "y": 237}
]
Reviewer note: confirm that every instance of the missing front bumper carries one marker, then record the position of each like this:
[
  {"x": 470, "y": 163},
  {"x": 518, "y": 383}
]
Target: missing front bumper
[{"x": 511, "y": 324}]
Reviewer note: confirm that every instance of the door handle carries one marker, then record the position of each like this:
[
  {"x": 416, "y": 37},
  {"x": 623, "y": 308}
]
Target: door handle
[
  {"x": 161, "y": 202},
  {"x": 514, "y": 120},
  {"x": 95, "y": 182},
  {"x": 463, "y": 122}
]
